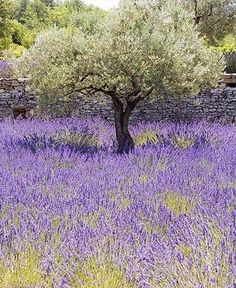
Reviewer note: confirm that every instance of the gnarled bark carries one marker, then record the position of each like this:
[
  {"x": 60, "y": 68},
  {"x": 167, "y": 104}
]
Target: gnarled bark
[
  {"x": 122, "y": 115},
  {"x": 123, "y": 136}
]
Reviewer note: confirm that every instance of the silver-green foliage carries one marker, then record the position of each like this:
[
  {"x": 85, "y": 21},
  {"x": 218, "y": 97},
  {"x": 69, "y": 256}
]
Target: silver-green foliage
[{"x": 141, "y": 47}]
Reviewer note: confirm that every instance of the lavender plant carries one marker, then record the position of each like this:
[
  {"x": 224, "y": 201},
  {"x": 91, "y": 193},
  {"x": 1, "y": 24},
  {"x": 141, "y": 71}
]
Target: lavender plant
[
  {"x": 163, "y": 216},
  {"x": 4, "y": 69}
]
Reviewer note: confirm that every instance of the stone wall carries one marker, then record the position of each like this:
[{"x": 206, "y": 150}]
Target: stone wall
[
  {"x": 215, "y": 104},
  {"x": 212, "y": 105},
  {"x": 15, "y": 98}
]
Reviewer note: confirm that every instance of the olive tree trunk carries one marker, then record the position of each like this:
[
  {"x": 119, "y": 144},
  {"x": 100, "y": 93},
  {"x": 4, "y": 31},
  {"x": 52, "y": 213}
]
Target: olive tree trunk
[{"x": 123, "y": 136}]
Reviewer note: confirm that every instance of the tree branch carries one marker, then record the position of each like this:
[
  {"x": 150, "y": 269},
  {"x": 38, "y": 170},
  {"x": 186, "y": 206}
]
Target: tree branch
[
  {"x": 91, "y": 89},
  {"x": 132, "y": 104},
  {"x": 197, "y": 17},
  {"x": 211, "y": 11},
  {"x": 113, "y": 94},
  {"x": 133, "y": 93},
  {"x": 89, "y": 74}
]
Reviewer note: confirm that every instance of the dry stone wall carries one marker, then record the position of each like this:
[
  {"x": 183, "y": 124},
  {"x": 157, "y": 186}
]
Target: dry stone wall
[
  {"x": 15, "y": 98},
  {"x": 212, "y": 105},
  {"x": 215, "y": 104}
]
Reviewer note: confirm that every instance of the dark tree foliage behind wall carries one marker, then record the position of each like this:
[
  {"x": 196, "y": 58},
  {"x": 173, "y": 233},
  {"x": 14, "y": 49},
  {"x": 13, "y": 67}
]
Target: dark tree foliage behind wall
[{"x": 230, "y": 62}]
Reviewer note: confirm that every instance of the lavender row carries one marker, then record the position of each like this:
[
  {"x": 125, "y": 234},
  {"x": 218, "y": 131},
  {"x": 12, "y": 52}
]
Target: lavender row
[{"x": 75, "y": 214}]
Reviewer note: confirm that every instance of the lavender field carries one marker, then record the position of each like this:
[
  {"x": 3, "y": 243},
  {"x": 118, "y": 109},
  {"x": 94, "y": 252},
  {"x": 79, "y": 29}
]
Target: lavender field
[{"x": 75, "y": 214}]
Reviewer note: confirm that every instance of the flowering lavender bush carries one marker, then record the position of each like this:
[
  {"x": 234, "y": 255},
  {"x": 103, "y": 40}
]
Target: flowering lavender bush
[
  {"x": 161, "y": 217},
  {"x": 4, "y": 69}
]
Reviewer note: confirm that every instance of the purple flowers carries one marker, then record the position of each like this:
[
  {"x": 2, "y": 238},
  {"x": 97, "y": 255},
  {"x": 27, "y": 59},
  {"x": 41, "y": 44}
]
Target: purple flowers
[
  {"x": 4, "y": 69},
  {"x": 161, "y": 217}
]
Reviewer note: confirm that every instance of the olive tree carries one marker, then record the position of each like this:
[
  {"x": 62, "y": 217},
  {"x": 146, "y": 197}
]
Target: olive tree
[{"x": 142, "y": 51}]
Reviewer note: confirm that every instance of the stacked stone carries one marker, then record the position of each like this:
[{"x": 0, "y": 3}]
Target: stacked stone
[
  {"x": 229, "y": 79},
  {"x": 210, "y": 105},
  {"x": 15, "y": 96},
  {"x": 213, "y": 105},
  {"x": 89, "y": 106}
]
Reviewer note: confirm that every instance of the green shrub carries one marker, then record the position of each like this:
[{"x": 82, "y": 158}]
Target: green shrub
[
  {"x": 145, "y": 138},
  {"x": 93, "y": 274},
  {"x": 178, "y": 204},
  {"x": 228, "y": 44},
  {"x": 24, "y": 271},
  {"x": 181, "y": 142},
  {"x": 13, "y": 51},
  {"x": 75, "y": 138}
]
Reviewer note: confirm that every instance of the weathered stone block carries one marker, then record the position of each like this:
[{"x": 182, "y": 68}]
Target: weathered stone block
[{"x": 14, "y": 96}]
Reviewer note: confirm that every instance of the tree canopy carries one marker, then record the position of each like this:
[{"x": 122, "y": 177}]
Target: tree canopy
[
  {"x": 142, "y": 50},
  {"x": 22, "y": 20}
]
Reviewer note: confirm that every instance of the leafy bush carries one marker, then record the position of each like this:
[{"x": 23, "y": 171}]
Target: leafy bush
[
  {"x": 230, "y": 62},
  {"x": 13, "y": 51},
  {"x": 24, "y": 270},
  {"x": 65, "y": 140},
  {"x": 100, "y": 275},
  {"x": 146, "y": 138},
  {"x": 228, "y": 44},
  {"x": 76, "y": 141}
]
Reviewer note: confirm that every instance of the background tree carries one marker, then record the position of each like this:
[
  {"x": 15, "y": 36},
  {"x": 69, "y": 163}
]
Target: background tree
[
  {"x": 61, "y": 16},
  {"x": 20, "y": 7},
  {"x": 5, "y": 28},
  {"x": 214, "y": 18},
  {"x": 36, "y": 15},
  {"x": 131, "y": 59},
  {"x": 49, "y": 3},
  {"x": 22, "y": 20},
  {"x": 89, "y": 20},
  {"x": 75, "y": 4}
]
